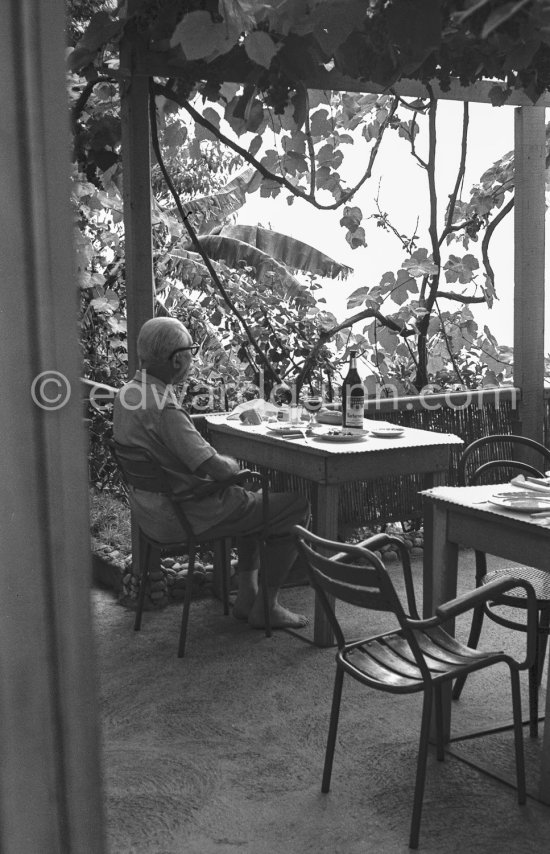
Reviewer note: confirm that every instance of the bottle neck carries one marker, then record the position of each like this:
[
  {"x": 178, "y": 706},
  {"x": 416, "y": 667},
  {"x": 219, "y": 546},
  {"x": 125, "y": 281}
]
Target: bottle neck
[{"x": 353, "y": 361}]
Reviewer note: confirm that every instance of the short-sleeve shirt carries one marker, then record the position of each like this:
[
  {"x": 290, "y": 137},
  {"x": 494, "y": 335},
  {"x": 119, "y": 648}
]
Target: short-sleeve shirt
[{"x": 147, "y": 414}]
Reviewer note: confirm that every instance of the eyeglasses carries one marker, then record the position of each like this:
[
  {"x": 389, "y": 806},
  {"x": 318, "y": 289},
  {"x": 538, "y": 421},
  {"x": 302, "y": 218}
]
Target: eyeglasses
[{"x": 194, "y": 349}]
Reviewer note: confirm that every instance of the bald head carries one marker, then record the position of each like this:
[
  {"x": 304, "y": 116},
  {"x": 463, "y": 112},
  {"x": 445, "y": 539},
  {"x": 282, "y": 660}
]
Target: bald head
[{"x": 158, "y": 338}]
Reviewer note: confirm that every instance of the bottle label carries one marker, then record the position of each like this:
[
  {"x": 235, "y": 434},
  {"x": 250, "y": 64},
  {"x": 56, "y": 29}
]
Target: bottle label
[{"x": 354, "y": 411}]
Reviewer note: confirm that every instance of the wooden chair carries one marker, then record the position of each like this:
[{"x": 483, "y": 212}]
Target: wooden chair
[
  {"x": 419, "y": 656},
  {"x": 493, "y": 459},
  {"x": 141, "y": 471}
]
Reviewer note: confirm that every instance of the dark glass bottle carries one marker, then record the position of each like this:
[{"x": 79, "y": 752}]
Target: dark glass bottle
[{"x": 353, "y": 397}]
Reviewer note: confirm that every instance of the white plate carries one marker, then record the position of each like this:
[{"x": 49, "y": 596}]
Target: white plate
[
  {"x": 521, "y": 503},
  {"x": 341, "y": 437},
  {"x": 387, "y": 432}
]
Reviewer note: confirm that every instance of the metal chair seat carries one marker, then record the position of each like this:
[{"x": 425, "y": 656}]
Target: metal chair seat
[
  {"x": 388, "y": 661},
  {"x": 537, "y": 578},
  {"x": 420, "y": 656}
]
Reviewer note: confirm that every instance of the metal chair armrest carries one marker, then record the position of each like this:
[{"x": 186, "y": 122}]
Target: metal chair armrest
[
  {"x": 492, "y": 590},
  {"x": 478, "y": 596}
]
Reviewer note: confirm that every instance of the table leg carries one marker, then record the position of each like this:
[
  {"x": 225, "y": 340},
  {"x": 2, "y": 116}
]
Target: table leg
[
  {"x": 440, "y": 566},
  {"x": 439, "y": 585},
  {"x": 544, "y": 784},
  {"x": 325, "y": 515}
]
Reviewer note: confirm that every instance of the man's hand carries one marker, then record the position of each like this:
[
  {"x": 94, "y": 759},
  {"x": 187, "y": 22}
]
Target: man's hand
[{"x": 218, "y": 468}]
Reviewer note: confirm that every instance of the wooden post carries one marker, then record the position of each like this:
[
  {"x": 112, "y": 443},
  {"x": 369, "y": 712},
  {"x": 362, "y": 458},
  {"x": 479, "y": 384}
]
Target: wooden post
[
  {"x": 50, "y": 775},
  {"x": 138, "y": 243},
  {"x": 529, "y": 222},
  {"x": 136, "y": 170}
]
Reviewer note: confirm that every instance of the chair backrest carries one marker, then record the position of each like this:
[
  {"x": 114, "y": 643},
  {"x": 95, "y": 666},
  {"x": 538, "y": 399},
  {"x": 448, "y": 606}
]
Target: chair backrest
[
  {"x": 497, "y": 458},
  {"x": 141, "y": 471},
  {"x": 139, "y": 468},
  {"x": 356, "y": 575}
]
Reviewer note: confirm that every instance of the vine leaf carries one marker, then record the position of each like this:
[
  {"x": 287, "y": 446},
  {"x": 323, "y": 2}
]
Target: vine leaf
[
  {"x": 404, "y": 286},
  {"x": 461, "y": 269},
  {"x": 420, "y": 264},
  {"x": 201, "y": 38},
  {"x": 260, "y": 48}
]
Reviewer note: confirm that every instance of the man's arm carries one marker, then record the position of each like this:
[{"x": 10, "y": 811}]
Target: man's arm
[{"x": 218, "y": 467}]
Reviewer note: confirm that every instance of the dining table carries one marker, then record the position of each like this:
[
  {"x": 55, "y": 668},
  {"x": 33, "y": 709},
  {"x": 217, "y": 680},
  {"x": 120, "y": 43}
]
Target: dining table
[
  {"x": 479, "y": 517},
  {"x": 328, "y": 462}
]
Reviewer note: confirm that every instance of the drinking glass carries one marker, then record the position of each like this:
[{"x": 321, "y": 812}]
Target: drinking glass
[{"x": 313, "y": 404}]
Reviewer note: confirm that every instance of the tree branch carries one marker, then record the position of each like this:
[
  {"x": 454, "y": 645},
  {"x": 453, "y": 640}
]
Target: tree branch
[
  {"x": 460, "y": 297},
  {"x": 82, "y": 99},
  {"x": 487, "y": 237},
  {"x": 311, "y": 151},
  {"x": 196, "y": 243},
  {"x": 327, "y": 334},
  {"x": 450, "y": 349},
  {"x": 272, "y": 176},
  {"x": 459, "y": 175}
]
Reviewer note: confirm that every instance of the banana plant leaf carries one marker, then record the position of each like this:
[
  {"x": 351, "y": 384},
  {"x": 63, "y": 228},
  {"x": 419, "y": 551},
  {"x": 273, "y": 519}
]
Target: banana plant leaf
[
  {"x": 254, "y": 246},
  {"x": 209, "y": 211},
  {"x": 262, "y": 266}
]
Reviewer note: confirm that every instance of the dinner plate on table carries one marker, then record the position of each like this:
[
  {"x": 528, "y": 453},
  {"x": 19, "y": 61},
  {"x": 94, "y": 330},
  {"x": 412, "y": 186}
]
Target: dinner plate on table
[
  {"x": 386, "y": 432},
  {"x": 521, "y": 503},
  {"x": 339, "y": 436}
]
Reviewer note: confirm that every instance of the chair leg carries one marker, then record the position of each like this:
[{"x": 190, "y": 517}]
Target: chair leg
[
  {"x": 473, "y": 640},
  {"x": 534, "y": 692},
  {"x": 518, "y": 736},
  {"x": 440, "y": 750},
  {"x": 144, "y": 559},
  {"x": 544, "y": 628},
  {"x": 263, "y": 581},
  {"x": 333, "y": 728},
  {"x": 421, "y": 769},
  {"x": 187, "y": 600},
  {"x": 223, "y": 562}
]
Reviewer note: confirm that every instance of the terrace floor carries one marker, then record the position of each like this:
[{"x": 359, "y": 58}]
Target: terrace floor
[{"x": 222, "y": 751}]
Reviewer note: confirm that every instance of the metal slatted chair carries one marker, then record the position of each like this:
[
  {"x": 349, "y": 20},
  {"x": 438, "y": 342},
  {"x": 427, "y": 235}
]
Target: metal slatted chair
[
  {"x": 477, "y": 464},
  {"x": 419, "y": 656},
  {"x": 141, "y": 471}
]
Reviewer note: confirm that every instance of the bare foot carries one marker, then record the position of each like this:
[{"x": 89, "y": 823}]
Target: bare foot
[
  {"x": 281, "y": 618},
  {"x": 243, "y": 604}
]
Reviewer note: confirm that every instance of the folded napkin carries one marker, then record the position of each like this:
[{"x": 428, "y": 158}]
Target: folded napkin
[
  {"x": 253, "y": 411},
  {"x": 329, "y": 416},
  {"x": 534, "y": 484}
]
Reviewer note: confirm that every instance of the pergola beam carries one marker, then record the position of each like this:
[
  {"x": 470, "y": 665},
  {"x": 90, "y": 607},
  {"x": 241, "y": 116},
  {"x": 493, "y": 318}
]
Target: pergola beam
[{"x": 155, "y": 65}]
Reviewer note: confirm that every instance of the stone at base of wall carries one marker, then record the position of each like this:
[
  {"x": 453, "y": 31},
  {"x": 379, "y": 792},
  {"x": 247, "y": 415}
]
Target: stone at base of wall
[
  {"x": 112, "y": 569},
  {"x": 106, "y": 572}
]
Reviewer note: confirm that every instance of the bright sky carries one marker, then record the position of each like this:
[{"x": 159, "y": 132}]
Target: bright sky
[{"x": 403, "y": 195}]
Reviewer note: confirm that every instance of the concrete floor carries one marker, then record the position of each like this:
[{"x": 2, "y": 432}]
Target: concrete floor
[{"x": 222, "y": 751}]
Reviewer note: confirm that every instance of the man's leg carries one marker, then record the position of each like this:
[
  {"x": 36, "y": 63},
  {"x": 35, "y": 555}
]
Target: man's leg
[
  {"x": 285, "y": 510},
  {"x": 249, "y": 562}
]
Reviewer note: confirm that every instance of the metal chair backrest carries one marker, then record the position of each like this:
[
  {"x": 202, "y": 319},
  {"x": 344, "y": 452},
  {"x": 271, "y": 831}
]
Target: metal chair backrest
[
  {"x": 356, "y": 575},
  {"x": 141, "y": 471},
  {"x": 477, "y": 461}
]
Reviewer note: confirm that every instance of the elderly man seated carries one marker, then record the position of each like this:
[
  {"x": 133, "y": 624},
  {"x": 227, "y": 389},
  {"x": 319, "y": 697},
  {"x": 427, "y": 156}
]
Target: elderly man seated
[{"x": 147, "y": 414}]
